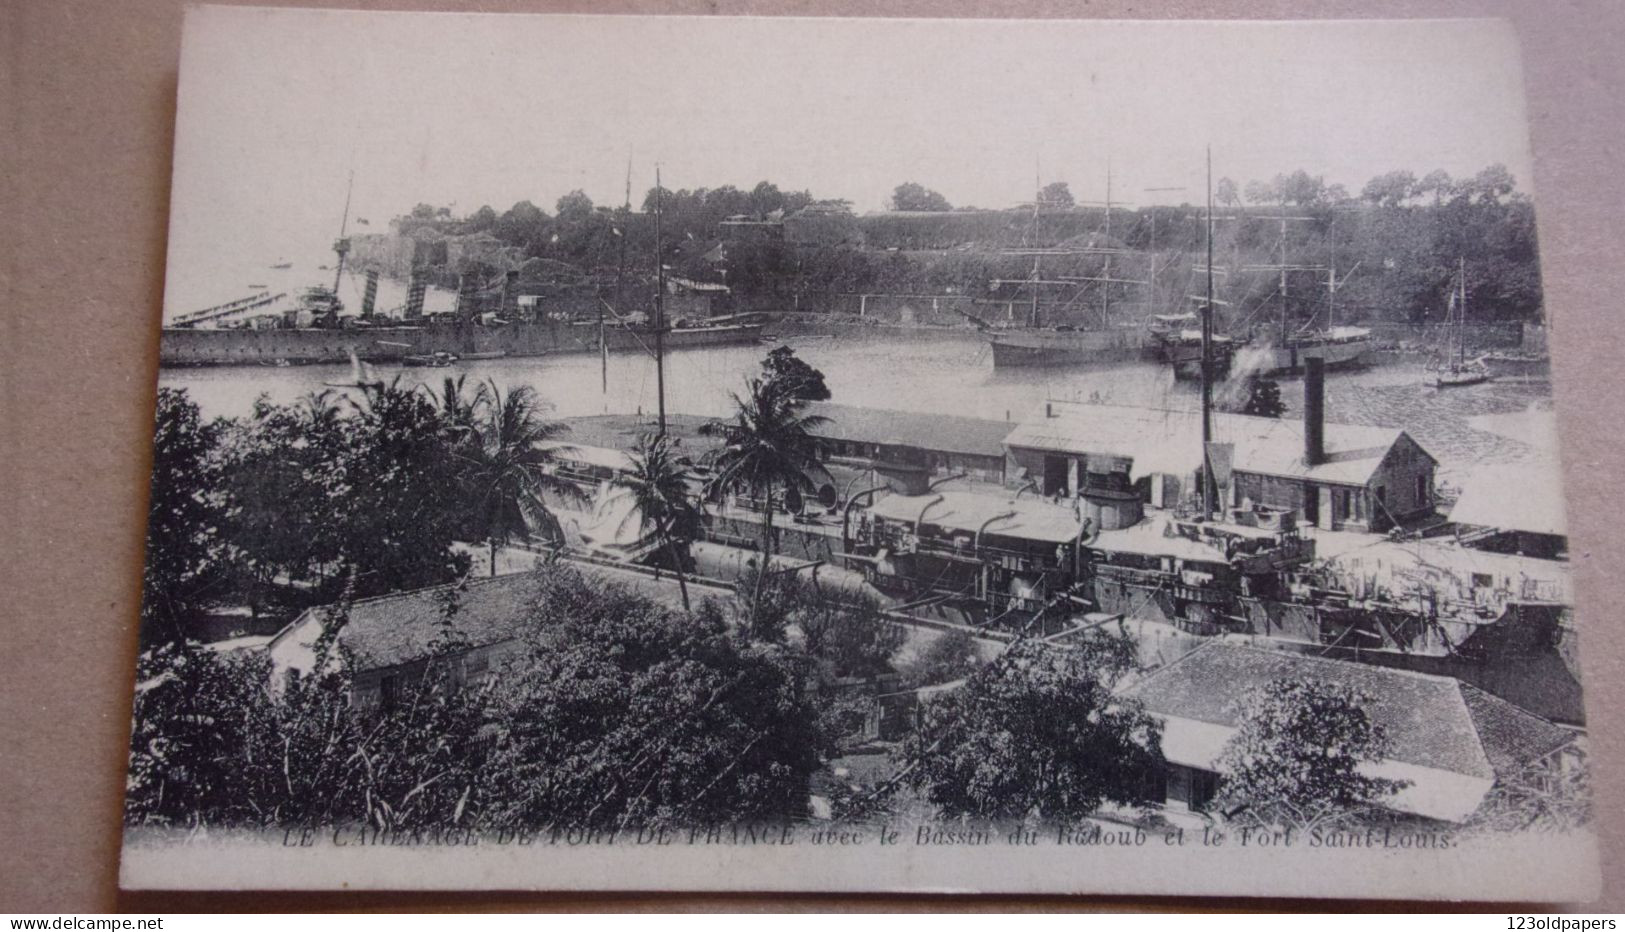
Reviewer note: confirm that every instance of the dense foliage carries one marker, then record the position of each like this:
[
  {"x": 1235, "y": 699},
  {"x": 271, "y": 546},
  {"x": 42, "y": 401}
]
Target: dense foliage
[
  {"x": 292, "y": 504},
  {"x": 950, "y": 657},
  {"x": 623, "y": 712},
  {"x": 1037, "y": 733},
  {"x": 613, "y": 712},
  {"x": 1300, "y": 756},
  {"x": 1398, "y": 240},
  {"x": 799, "y": 379},
  {"x": 183, "y": 517}
]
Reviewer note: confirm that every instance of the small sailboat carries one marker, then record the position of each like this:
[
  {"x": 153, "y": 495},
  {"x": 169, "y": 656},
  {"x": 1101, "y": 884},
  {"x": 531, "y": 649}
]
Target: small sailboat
[{"x": 1456, "y": 369}]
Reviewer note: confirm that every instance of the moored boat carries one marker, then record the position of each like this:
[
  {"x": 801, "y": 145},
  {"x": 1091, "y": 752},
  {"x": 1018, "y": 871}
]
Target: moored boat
[
  {"x": 1456, "y": 369},
  {"x": 1060, "y": 347},
  {"x": 1338, "y": 347},
  {"x": 432, "y": 360},
  {"x": 1470, "y": 372}
]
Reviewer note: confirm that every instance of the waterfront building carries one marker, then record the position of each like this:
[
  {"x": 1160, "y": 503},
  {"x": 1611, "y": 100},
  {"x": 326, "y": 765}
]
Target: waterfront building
[
  {"x": 1330, "y": 476},
  {"x": 1453, "y": 743},
  {"x": 951, "y": 445}
]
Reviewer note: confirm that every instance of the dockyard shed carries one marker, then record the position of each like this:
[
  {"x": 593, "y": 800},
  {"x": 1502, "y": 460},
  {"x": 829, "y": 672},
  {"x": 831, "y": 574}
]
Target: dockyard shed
[
  {"x": 1452, "y": 742},
  {"x": 952, "y": 445},
  {"x": 1359, "y": 478}
]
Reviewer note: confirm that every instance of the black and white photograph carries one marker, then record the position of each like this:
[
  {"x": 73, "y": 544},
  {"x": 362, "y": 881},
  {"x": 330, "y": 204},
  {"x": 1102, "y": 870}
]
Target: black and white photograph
[{"x": 884, "y": 455}]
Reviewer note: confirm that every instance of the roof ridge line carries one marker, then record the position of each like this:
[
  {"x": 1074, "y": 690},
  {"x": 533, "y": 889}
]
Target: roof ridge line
[
  {"x": 1478, "y": 733},
  {"x": 1415, "y": 674}
]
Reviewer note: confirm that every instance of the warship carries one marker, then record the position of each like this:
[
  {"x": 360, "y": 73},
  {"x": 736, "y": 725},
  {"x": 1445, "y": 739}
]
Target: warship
[{"x": 488, "y": 322}]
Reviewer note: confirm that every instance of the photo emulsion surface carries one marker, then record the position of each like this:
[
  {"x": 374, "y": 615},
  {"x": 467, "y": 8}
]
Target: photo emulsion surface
[{"x": 670, "y": 453}]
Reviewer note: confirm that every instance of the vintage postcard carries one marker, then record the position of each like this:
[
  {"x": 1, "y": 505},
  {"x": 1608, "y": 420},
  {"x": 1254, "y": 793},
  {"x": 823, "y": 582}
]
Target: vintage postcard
[{"x": 670, "y": 453}]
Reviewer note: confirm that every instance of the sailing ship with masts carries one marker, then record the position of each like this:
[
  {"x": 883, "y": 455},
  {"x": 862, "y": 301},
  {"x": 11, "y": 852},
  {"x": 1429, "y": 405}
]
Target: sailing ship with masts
[
  {"x": 1282, "y": 348},
  {"x": 1455, "y": 369},
  {"x": 1049, "y": 337}
]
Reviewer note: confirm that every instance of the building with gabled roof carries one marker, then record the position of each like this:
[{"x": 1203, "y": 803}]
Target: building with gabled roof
[
  {"x": 1450, "y": 741},
  {"x": 1339, "y": 477},
  {"x": 390, "y": 636}
]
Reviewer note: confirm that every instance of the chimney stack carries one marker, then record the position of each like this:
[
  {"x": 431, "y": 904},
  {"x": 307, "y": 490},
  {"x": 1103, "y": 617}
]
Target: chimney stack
[
  {"x": 370, "y": 297},
  {"x": 1314, "y": 411},
  {"x": 414, "y": 294}
]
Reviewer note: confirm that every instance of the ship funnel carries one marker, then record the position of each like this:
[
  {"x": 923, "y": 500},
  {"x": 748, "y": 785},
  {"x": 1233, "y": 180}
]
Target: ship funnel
[
  {"x": 1314, "y": 411},
  {"x": 414, "y": 294},
  {"x": 467, "y": 287},
  {"x": 369, "y": 297}
]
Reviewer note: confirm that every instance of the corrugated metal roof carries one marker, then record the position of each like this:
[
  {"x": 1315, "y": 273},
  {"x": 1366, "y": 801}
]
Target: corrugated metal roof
[
  {"x": 1166, "y": 441},
  {"x": 1026, "y": 519},
  {"x": 941, "y": 432}
]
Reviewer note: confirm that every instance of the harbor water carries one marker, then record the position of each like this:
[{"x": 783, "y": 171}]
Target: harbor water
[{"x": 948, "y": 372}]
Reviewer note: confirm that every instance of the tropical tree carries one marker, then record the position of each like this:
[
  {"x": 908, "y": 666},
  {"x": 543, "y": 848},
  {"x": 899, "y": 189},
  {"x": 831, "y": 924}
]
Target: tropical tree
[
  {"x": 1037, "y": 732},
  {"x": 1056, "y": 194},
  {"x": 770, "y": 448},
  {"x": 459, "y": 407},
  {"x": 619, "y": 712},
  {"x": 795, "y": 375},
  {"x": 1299, "y": 755},
  {"x": 948, "y": 657},
  {"x": 914, "y": 196},
  {"x": 281, "y": 477},
  {"x": 659, "y": 484},
  {"x": 183, "y": 517},
  {"x": 505, "y": 474},
  {"x": 853, "y": 638},
  {"x": 395, "y": 494}
]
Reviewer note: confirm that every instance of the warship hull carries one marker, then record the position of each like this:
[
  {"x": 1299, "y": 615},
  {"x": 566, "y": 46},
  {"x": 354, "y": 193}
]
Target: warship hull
[{"x": 385, "y": 344}]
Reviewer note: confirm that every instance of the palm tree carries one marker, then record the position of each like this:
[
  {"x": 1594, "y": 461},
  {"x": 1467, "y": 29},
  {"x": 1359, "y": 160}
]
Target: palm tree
[
  {"x": 768, "y": 448},
  {"x": 659, "y": 483},
  {"x": 505, "y": 471},
  {"x": 459, "y": 408}
]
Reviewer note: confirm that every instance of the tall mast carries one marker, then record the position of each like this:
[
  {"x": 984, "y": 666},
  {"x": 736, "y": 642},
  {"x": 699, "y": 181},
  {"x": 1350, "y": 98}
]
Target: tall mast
[
  {"x": 1207, "y": 355},
  {"x": 1284, "y": 334},
  {"x": 1331, "y": 275},
  {"x": 1461, "y": 312},
  {"x": 342, "y": 245},
  {"x": 620, "y": 281},
  {"x": 1106, "y": 290},
  {"x": 660, "y": 310},
  {"x": 1038, "y": 190}
]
